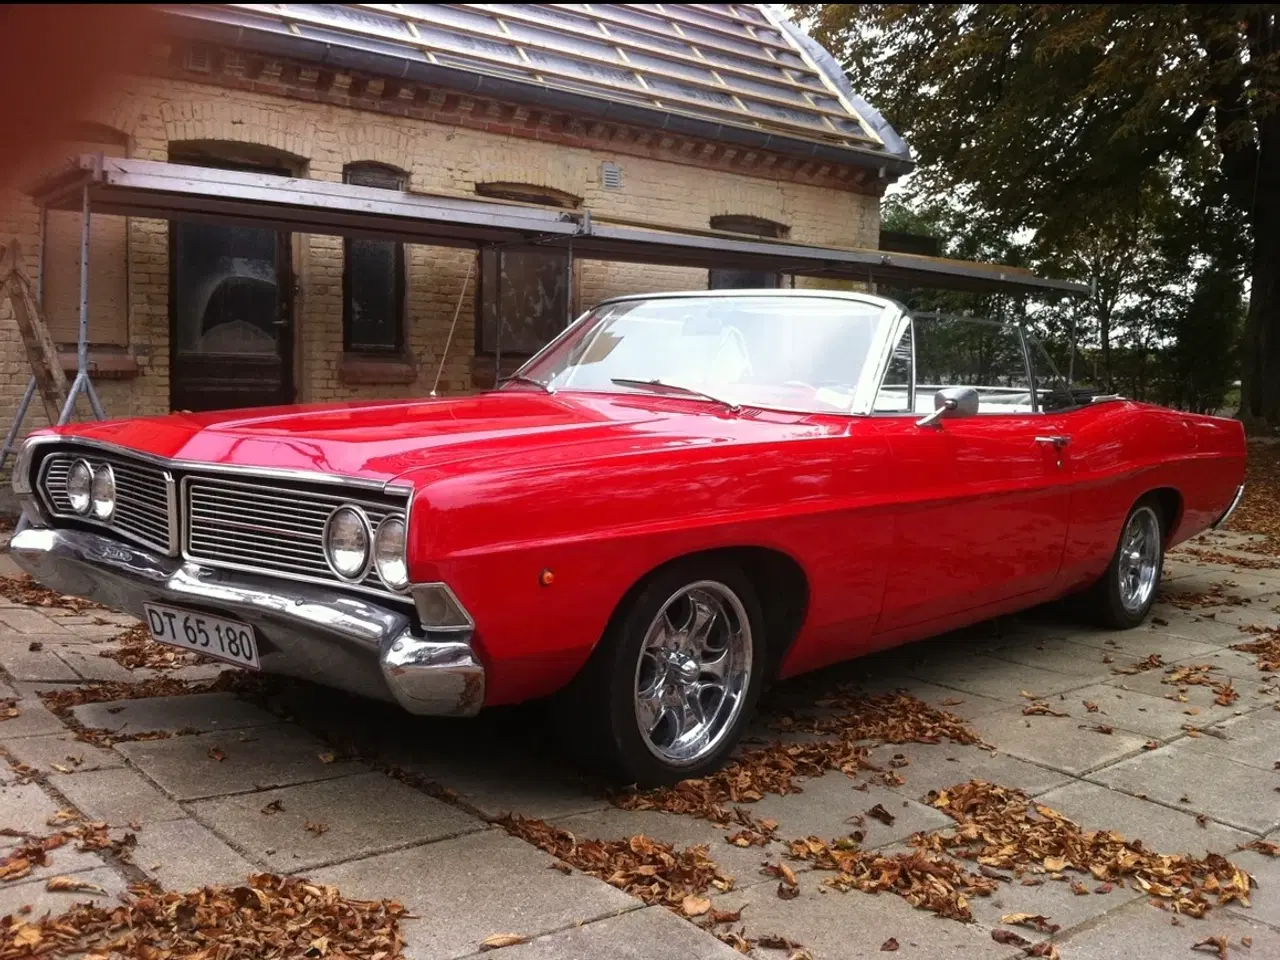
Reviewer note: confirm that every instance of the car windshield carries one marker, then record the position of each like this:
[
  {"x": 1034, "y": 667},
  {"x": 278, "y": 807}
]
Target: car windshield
[{"x": 802, "y": 353}]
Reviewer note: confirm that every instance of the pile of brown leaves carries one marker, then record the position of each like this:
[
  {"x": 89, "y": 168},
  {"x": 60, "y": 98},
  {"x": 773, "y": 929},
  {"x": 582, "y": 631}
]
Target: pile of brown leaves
[
  {"x": 1197, "y": 675},
  {"x": 927, "y": 881},
  {"x": 1002, "y": 828},
  {"x": 24, "y": 590},
  {"x": 1215, "y": 596},
  {"x": 137, "y": 649},
  {"x": 61, "y": 701},
  {"x": 1226, "y": 559},
  {"x": 1152, "y": 662},
  {"x": 34, "y": 851},
  {"x": 268, "y": 918},
  {"x": 1259, "y": 510},
  {"x": 652, "y": 871},
  {"x": 1266, "y": 648},
  {"x": 882, "y": 718}
]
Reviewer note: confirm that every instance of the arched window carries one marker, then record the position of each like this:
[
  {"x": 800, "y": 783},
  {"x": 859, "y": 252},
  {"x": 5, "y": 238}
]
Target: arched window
[
  {"x": 373, "y": 285},
  {"x": 732, "y": 279},
  {"x": 524, "y": 291}
]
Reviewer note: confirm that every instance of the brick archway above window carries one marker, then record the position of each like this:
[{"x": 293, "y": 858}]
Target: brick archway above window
[
  {"x": 529, "y": 193},
  {"x": 750, "y": 225}
]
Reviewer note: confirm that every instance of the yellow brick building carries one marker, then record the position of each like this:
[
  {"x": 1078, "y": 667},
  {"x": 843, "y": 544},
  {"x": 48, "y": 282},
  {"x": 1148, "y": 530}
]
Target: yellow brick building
[{"x": 697, "y": 118}]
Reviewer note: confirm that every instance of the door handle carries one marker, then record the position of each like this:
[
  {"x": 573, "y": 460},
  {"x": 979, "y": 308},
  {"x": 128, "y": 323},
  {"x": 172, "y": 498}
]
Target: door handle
[{"x": 1057, "y": 441}]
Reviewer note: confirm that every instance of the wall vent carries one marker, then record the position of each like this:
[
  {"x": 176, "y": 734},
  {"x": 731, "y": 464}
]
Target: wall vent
[
  {"x": 197, "y": 58},
  {"x": 611, "y": 176}
]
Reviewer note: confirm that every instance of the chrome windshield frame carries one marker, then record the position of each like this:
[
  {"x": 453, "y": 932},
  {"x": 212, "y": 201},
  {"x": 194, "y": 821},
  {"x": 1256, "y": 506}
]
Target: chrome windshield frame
[{"x": 879, "y": 351}]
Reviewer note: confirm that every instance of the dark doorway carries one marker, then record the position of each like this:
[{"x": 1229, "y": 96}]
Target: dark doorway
[{"x": 230, "y": 315}]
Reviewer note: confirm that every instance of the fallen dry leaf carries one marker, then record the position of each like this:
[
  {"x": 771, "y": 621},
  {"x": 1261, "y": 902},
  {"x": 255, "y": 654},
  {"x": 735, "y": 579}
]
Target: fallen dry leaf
[
  {"x": 1268, "y": 847},
  {"x": 1033, "y": 920},
  {"x": 889, "y": 945},
  {"x": 326, "y": 758},
  {"x": 319, "y": 829},
  {"x": 275, "y": 806},
  {"x": 695, "y": 905},
  {"x": 1217, "y": 944},
  {"x": 1009, "y": 937},
  {"x": 73, "y": 885},
  {"x": 1041, "y": 708},
  {"x": 135, "y": 649},
  {"x": 499, "y": 940},
  {"x": 878, "y": 812},
  {"x": 217, "y": 753},
  {"x": 1090, "y": 706}
]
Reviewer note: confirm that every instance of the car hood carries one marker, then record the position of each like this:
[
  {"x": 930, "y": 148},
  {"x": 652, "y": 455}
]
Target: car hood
[{"x": 385, "y": 440}]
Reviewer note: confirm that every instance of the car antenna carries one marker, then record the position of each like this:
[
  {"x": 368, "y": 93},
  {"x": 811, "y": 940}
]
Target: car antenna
[{"x": 449, "y": 341}]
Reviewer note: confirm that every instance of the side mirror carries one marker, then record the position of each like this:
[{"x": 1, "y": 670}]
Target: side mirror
[{"x": 951, "y": 402}]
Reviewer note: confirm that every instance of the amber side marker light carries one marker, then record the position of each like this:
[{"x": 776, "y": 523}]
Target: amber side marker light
[{"x": 546, "y": 578}]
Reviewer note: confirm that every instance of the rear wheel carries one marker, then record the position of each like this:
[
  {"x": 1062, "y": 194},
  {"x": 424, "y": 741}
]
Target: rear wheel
[
  {"x": 670, "y": 686},
  {"x": 1124, "y": 595}
]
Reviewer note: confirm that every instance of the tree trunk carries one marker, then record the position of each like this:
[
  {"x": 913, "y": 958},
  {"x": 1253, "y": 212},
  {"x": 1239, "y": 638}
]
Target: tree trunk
[{"x": 1260, "y": 380}]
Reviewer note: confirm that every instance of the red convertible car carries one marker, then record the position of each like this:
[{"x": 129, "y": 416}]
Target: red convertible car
[{"x": 680, "y": 499}]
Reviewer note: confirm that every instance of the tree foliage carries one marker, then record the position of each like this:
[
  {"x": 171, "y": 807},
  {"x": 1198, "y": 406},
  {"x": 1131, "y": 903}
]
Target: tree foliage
[{"x": 1135, "y": 146}]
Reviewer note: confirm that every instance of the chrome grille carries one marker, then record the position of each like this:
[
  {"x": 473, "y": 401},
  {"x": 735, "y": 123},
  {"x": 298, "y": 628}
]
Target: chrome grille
[
  {"x": 142, "y": 496},
  {"x": 260, "y": 525}
]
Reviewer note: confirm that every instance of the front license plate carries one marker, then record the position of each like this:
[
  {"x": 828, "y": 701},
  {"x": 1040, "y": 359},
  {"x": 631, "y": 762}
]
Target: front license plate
[{"x": 227, "y": 640}]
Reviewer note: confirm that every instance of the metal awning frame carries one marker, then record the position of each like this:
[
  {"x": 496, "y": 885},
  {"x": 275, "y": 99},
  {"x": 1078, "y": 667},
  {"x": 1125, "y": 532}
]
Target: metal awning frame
[{"x": 147, "y": 188}]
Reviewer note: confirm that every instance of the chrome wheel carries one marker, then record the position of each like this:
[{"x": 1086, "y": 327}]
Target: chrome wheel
[
  {"x": 1139, "y": 562},
  {"x": 693, "y": 672}
]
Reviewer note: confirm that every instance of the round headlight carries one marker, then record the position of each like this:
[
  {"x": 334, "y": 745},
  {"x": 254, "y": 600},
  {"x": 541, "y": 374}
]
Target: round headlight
[
  {"x": 346, "y": 543},
  {"x": 388, "y": 553},
  {"x": 80, "y": 486},
  {"x": 104, "y": 491}
]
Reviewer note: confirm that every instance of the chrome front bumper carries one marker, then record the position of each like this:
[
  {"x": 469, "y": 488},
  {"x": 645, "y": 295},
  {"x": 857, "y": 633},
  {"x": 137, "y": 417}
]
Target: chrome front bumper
[{"x": 303, "y": 630}]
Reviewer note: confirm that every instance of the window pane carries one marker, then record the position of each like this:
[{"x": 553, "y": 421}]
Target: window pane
[
  {"x": 740, "y": 279},
  {"x": 373, "y": 295},
  {"x": 524, "y": 295},
  {"x": 227, "y": 296},
  {"x": 894, "y": 392},
  {"x": 972, "y": 353}
]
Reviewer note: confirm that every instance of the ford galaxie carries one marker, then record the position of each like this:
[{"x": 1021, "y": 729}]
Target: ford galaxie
[{"x": 679, "y": 500}]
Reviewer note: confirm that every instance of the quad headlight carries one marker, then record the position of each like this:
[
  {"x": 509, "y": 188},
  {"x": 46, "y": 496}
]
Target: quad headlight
[
  {"x": 347, "y": 541},
  {"x": 80, "y": 487},
  {"x": 103, "y": 491},
  {"x": 389, "y": 553}
]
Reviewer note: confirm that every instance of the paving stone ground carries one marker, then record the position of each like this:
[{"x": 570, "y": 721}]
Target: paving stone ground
[{"x": 214, "y": 788}]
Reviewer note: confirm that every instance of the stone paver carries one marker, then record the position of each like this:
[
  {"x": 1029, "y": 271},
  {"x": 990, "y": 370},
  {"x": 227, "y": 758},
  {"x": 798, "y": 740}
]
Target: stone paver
[
  {"x": 59, "y": 752},
  {"x": 200, "y": 713},
  {"x": 1138, "y": 935},
  {"x": 466, "y": 889},
  {"x": 839, "y": 925},
  {"x": 25, "y": 807},
  {"x": 827, "y": 803},
  {"x": 999, "y": 679},
  {"x": 390, "y": 815},
  {"x": 1253, "y": 740},
  {"x": 24, "y": 664},
  {"x": 1157, "y": 717},
  {"x": 118, "y": 796},
  {"x": 182, "y": 855},
  {"x": 935, "y": 766},
  {"x": 1226, "y": 791},
  {"x": 1057, "y": 742},
  {"x": 635, "y": 935},
  {"x": 33, "y": 720},
  {"x": 188, "y": 768},
  {"x": 1160, "y": 829},
  {"x": 198, "y": 795}
]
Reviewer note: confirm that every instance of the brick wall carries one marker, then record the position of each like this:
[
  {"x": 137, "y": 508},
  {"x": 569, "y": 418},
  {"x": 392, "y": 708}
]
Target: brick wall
[{"x": 318, "y": 139}]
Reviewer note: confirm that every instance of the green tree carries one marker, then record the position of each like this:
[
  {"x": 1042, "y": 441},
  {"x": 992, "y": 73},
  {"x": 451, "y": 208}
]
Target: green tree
[{"x": 1067, "y": 119}]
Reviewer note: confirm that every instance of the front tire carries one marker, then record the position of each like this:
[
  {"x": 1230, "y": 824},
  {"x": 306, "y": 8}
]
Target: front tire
[
  {"x": 674, "y": 679},
  {"x": 1124, "y": 595}
]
